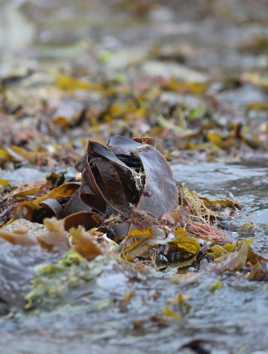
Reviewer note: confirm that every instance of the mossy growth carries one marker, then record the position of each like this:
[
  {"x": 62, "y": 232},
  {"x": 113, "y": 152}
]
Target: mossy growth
[{"x": 62, "y": 282}]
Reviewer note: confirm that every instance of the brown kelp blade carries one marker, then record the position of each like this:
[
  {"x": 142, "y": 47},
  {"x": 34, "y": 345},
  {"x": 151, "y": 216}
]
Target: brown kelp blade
[
  {"x": 85, "y": 218},
  {"x": 116, "y": 178},
  {"x": 127, "y": 173},
  {"x": 159, "y": 194}
]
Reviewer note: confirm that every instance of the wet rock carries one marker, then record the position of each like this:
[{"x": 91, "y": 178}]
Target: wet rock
[{"x": 17, "y": 267}]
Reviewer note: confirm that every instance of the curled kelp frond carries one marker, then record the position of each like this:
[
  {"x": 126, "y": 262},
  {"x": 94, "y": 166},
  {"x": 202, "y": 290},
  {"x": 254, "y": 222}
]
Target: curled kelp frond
[{"x": 127, "y": 200}]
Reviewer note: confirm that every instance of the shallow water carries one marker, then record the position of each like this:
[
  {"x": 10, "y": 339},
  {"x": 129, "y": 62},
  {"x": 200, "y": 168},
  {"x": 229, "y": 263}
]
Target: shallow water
[
  {"x": 94, "y": 320},
  {"x": 235, "y": 317}
]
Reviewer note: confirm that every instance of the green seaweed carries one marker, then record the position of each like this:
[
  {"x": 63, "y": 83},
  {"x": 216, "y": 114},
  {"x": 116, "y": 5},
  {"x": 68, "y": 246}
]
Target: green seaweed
[{"x": 58, "y": 283}]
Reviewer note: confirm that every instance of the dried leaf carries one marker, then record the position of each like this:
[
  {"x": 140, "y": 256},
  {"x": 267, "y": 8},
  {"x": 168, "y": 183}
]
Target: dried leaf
[
  {"x": 85, "y": 243},
  {"x": 195, "y": 88},
  {"x": 55, "y": 235},
  {"x": 185, "y": 242},
  {"x": 4, "y": 155},
  {"x": 216, "y": 286},
  {"x": 4, "y": 182},
  {"x": 68, "y": 83},
  {"x": 168, "y": 312},
  {"x": 136, "y": 244},
  {"x": 49, "y": 200},
  {"x": 219, "y": 204}
]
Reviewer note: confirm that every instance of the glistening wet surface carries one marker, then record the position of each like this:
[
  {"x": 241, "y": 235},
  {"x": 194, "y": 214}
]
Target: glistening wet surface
[
  {"x": 233, "y": 319},
  {"x": 117, "y": 309}
]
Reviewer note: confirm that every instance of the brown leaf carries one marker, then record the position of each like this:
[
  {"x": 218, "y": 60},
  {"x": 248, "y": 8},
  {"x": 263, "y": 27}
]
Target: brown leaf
[
  {"x": 49, "y": 200},
  {"x": 82, "y": 218},
  {"x": 84, "y": 243}
]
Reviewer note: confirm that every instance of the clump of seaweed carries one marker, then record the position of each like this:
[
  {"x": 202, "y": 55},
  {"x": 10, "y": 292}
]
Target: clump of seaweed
[{"x": 127, "y": 204}]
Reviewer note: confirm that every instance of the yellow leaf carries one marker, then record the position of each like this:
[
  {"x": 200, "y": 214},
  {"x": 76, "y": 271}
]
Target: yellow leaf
[
  {"x": 230, "y": 247},
  {"x": 18, "y": 153},
  {"x": 66, "y": 190},
  {"x": 4, "y": 182},
  {"x": 135, "y": 244},
  {"x": 216, "y": 139},
  {"x": 217, "y": 251},
  {"x": 185, "y": 242},
  {"x": 84, "y": 243},
  {"x": 4, "y": 155},
  {"x": 144, "y": 233},
  {"x": 195, "y": 88},
  {"x": 168, "y": 312},
  {"x": 28, "y": 191},
  {"x": 68, "y": 83},
  {"x": 258, "y": 106},
  {"x": 27, "y": 207},
  {"x": 216, "y": 286},
  {"x": 216, "y": 204}
]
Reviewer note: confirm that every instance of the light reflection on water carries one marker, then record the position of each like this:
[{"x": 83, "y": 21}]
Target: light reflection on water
[{"x": 240, "y": 308}]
